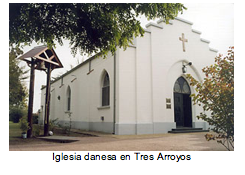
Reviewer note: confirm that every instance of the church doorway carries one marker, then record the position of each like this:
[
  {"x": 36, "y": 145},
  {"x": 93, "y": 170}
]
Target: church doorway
[{"x": 182, "y": 103}]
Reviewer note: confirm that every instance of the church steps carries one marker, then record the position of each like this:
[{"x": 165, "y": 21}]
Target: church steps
[{"x": 187, "y": 130}]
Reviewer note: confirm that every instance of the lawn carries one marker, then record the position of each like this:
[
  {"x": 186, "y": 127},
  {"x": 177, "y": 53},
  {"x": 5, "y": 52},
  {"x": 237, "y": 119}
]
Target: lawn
[
  {"x": 15, "y": 137},
  {"x": 14, "y": 130}
]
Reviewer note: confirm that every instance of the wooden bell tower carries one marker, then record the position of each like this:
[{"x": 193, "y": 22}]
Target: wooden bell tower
[{"x": 40, "y": 58}]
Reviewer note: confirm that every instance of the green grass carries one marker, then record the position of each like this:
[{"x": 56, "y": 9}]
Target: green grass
[
  {"x": 15, "y": 137},
  {"x": 14, "y": 130},
  {"x": 14, "y": 133}
]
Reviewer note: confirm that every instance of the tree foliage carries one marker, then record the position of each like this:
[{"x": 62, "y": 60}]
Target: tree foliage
[
  {"x": 17, "y": 90},
  {"x": 90, "y": 28},
  {"x": 216, "y": 94}
]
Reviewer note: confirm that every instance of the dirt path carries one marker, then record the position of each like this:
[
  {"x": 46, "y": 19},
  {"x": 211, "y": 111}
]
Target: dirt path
[{"x": 160, "y": 142}]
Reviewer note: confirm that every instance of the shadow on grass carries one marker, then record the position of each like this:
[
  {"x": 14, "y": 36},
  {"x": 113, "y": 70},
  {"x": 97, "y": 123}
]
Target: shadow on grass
[{"x": 15, "y": 137}]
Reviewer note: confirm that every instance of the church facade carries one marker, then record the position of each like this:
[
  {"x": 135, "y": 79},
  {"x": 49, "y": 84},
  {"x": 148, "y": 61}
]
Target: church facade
[{"x": 140, "y": 90}]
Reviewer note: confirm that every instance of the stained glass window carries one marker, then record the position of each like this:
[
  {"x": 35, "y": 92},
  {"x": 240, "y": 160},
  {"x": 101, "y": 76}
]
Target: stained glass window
[
  {"x": 186, "y": 88},
  {"x": 181, "y": 86},
  {"x": 68, "y": 98},
  {"x": 177, "y": 87},
  {"x": 106, "y": 91}
]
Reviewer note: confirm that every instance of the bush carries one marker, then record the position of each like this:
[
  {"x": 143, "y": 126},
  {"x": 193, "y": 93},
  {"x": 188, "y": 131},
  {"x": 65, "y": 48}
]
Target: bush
[
  {"x": 216, "y": 94},
  {"x": 52, "y": 124},
  {"x": 35, "y": 118},
  {"x": 16, "y": 113},
  {"x": 24, "y": 125},
  {"x": 35, "y": 130}
]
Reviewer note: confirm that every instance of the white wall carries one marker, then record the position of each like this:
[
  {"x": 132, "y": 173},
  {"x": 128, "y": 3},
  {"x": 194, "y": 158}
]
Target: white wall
[
  {"x": 149, "y": 69},
  {"x": 85, "y": 95},
  {"x": 145, "y": 77},
  {"x": 126, "y": 86}
]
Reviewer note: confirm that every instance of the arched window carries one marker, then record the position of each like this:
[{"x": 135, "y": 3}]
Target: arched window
[
  {"x": 106, "y": 90},
  {"x": 181, "y": 86},
  {"x": 68, "y": 97}
]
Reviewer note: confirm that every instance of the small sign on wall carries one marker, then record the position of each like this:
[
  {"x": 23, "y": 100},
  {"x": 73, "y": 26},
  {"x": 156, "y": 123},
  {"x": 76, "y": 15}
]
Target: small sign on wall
[
  {"x": 168, "y": 100},
  {"x": 168, "y": 103}
]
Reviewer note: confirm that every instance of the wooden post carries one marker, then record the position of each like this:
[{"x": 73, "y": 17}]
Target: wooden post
[
  {"x": 47, "y": 100},
  {"x": 31, "y": 94}
]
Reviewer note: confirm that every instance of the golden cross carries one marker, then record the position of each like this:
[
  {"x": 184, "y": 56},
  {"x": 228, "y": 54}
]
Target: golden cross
[{"x": 183, "y": 41}]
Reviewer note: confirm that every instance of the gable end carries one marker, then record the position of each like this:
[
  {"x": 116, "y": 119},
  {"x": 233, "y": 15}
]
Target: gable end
[
  {"x": 196, "y": 31},
  {"x": 213, "y": 50},
  {"x": 184, "y": 20},
  {"x": 161, "y": 20},
  {"x": 153, "y": 24},
  {"x": 204, "y": 40}
]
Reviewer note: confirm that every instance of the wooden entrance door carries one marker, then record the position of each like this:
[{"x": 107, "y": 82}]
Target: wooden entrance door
[
  {"x": 178, "y": 109},
  {"x": 182, "y": 103}
]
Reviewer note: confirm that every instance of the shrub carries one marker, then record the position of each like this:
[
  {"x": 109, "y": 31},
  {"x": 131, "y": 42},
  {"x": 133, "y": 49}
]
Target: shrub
[
  {"x": 24, "y": 125},
  {"x": 216, "y": 94},
  {"x": 15, "y": 113},
  {"x": 35, "y": 130},
  {"x": 52, "y": 124},
  {"x": 35, "y": 118}
]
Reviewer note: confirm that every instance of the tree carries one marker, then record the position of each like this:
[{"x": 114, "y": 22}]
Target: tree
[
  {"x": 17, "y": 90},
  {"x": 90, "y": 28},
  {"x": 216, "y": 94}
]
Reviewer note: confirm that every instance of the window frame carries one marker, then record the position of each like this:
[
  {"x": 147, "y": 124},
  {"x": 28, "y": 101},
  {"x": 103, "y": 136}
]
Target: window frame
[
  {"x": 105, "y": 90},
  {"x": 68, "y": 99}
]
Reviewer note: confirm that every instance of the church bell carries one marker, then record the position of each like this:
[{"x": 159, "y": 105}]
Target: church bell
[{"x": 40, "y": 65}]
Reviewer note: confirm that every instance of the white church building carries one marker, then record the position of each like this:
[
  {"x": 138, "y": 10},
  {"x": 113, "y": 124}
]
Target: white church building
[{"x": 140, "y": 90}]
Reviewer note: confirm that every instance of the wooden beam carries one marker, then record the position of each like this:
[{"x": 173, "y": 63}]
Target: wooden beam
[
  {"x": 47, "y": 60},
  {"x": 51, "y": 57},
  {"x": 41, "y": 52}
]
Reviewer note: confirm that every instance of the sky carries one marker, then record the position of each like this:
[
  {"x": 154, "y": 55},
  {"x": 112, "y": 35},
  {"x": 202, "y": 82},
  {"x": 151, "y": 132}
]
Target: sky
[{"x": 214, "y": 20}]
